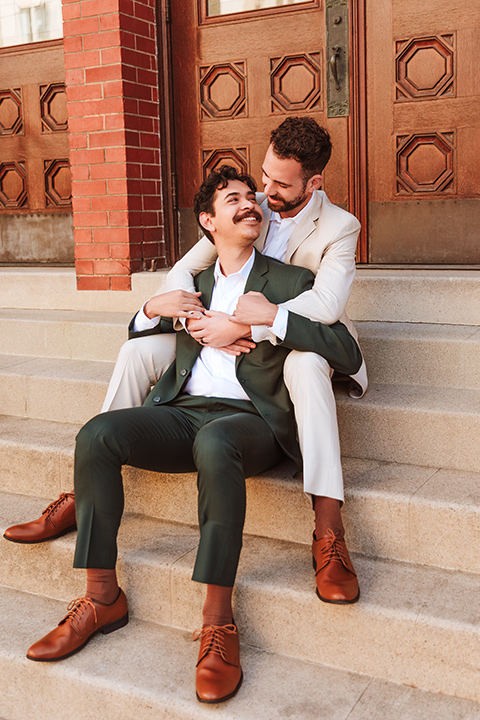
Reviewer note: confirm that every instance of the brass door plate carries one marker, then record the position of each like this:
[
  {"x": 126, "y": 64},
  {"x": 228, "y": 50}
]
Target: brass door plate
[{"x": 336, "y": 61}]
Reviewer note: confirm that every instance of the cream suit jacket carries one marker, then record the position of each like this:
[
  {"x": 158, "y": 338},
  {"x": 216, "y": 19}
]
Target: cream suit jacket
[{"x": 324, "y": 241}]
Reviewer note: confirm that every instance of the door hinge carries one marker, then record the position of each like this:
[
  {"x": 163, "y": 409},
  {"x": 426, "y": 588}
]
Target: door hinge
[{"x": 168, "y": 12}]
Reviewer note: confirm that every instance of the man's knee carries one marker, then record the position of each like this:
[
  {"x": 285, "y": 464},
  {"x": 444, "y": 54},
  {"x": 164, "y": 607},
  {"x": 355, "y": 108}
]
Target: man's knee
[
  {"x": 95, "y": 435},
  {"x": 305, "y": 368},
  {"x": 213, "y": 446},
  {"x": 136, "y": 350}
]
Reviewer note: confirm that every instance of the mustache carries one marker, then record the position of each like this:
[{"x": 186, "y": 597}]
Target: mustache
[{"x": 248, "y": 213}]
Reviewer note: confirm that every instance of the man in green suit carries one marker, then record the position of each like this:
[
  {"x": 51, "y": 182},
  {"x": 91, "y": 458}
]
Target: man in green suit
[{"x": 226, "y": 417}]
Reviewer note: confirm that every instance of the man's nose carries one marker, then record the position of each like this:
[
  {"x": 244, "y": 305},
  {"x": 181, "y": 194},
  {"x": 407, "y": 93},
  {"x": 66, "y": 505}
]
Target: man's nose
[{"x": 269, "y": 187}]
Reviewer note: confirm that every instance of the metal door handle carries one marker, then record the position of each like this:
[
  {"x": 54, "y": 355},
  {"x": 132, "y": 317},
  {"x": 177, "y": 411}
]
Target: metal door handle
[{"x": 333, "y": 65}]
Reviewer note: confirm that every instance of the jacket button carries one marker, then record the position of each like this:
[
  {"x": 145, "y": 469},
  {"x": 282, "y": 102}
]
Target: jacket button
[
  {"x": 183, "y": 372},
  {"x": 157, "y": 399}
]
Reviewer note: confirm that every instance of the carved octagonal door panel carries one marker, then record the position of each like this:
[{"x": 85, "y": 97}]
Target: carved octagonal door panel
[
  {"x": 35, "y": 181},
  {"x": 423, "y": 131},
  {"x": 241, "y": 67}
]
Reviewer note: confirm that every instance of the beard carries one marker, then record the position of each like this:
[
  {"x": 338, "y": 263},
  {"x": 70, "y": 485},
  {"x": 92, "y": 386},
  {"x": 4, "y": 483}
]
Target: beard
[{"x": 288, "y": 205}]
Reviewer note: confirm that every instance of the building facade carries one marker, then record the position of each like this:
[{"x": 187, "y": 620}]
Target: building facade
[{"x": 111, "y": 113}]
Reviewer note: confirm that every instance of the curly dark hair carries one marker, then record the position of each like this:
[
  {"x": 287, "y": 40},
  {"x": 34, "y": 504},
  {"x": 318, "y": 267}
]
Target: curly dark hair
[
  {"x": 304, "y": 140},
  {"x": 217, "y": 180}
]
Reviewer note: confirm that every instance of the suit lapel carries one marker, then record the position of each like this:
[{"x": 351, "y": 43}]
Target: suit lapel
[
  {"x": 205, "y": 282},
  {"x": 260, "y": 241},
  {"x": 189, "y": 349},
  {"x": 257, "y": 279},
  {"x": 305, "y": 227}
]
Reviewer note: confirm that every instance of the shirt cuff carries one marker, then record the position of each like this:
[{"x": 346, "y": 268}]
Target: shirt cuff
[
  {"x": 142, "y": 322},
  {"x": 277, "y": 330}
]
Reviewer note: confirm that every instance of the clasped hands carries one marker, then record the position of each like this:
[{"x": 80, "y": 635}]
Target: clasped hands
[{"x": 231, "y": 333}]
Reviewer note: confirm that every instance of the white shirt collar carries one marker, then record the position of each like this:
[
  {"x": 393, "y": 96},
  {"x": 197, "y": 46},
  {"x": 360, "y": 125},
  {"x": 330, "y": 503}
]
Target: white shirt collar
[
  {"x": 244, "y": 271},
  {"x": 275, "y": 216}
]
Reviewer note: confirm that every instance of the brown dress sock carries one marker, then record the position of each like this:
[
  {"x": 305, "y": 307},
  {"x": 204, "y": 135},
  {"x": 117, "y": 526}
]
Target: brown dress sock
[
  {"x": 327, "y": 515},
  {"x": 218, "y": 605},
  {"x": 102, "y": 585}
]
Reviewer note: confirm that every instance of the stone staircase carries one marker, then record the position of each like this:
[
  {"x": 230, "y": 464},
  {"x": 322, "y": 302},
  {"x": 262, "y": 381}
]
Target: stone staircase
[{"x": 410, "y": 648}]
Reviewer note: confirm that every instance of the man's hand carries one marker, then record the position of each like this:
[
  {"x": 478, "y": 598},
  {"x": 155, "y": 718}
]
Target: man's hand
[
  {"x": 253, "y": 308},
  {"x": 215, "y": 329},
  {"x": 177, "y": 303},
  {"x": 242, "y": 345}
]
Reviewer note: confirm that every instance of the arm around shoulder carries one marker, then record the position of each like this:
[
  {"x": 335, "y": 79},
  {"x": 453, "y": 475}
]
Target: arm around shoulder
[
  {"x": 334, "y": 275},
  {"x": 332, "y": 342},
  {"x": 200, "y": 257}
]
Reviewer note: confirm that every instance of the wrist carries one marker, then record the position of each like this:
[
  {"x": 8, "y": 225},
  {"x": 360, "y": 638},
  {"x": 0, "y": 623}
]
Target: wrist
[
  {"x": 272, "y": 315},
  {"x": 147, "y": 309}
]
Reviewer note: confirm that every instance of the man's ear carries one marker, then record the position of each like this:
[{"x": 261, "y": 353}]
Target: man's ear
[
  {"x": 314, "y": 183},
  {"x": 207, "y": 221}
]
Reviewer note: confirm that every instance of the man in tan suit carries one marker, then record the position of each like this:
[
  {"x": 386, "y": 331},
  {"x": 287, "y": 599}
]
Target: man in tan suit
[{"x": 301, "y": 227}]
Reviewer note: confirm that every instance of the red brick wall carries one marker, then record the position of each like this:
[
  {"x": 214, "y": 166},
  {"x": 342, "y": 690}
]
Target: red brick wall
[{"x": 112, "y": 98}]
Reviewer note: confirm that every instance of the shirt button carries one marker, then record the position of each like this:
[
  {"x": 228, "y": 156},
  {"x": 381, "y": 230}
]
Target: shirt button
[
  {"x": 183, "y": 372},
  {"x": 157, "y": 399}
]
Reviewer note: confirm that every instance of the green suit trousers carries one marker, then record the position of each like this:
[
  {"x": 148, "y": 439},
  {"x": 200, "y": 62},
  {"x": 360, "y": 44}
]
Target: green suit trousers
[{"x": 224, "y": 440}]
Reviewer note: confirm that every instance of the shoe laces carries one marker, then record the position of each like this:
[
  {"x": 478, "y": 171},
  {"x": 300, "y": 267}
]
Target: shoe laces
[
  {"x": 335, "y": 551},
  {"x": 213, "y": 636},
  {"x": 76, "y": 609},
  {"x": 53, "y": 507}
]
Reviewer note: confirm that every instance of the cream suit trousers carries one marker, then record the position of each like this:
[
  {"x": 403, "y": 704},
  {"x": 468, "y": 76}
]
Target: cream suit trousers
[{"x": 142, "y": 361}]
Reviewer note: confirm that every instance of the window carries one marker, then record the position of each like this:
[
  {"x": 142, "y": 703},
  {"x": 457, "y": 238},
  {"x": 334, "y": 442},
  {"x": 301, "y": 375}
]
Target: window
[
  {"x": 27, "y": 21},
  {"x": 215, "y": 8}
]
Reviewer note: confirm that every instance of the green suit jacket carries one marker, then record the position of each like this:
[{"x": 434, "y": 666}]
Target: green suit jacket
[{"x": 260, "y": 372}]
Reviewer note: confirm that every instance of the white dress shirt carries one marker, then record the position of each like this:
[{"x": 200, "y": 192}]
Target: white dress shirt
[
  {"x": 213, "y": 374},
  {"x": 278, "y": 234}
]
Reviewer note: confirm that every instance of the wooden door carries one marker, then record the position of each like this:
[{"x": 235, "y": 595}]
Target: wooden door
[
  {"x": 35, "y": 179},
  {"x": 423, "y": 90},
  {"x": 237, "y": 73}
]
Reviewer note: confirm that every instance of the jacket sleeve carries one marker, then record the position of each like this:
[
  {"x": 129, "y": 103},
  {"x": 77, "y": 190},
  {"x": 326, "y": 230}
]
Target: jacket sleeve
[
  {"x": 327, "y": 299},
  {"x": 333, "y": 342},
  {"x": 199, "y": 258},
  {"x": 164, "y": 326}
]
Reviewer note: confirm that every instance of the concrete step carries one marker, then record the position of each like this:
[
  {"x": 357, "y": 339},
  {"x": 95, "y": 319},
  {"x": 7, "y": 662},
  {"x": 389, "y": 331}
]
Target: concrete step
[
  {"x": 400, "y": 423},
  {"x": 412, "y": 624},
  {"x": 146, "y": 671},
  {"x": 421, "y": 354},
  {"x": 72, "y": 334},
  {"x": 425, "y": 515},
  {"x": 57, "y": 389},
  {"x": 410, "y": 424},
  {"x": 396, "y": 353},
  {"x": 418, "y": 295},
  {"x": 54, "y": 288}
]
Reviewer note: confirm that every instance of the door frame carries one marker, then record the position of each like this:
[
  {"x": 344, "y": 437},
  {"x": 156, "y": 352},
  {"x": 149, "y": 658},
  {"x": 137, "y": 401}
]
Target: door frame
[
  {"x": 167, "y": 132},
  {"x": 356, "y": 129},
  {"x": 357, "y": 125}
]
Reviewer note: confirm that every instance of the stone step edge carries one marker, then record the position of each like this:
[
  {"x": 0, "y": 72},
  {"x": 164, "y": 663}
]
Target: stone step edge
[
  {"x": 406, "y": 295},
  {"x": 90, "y": 678},
  {"x": 181, "y": 542},
  {"x": 397, "y": 511},
  {"x": 432, "y": 627}
]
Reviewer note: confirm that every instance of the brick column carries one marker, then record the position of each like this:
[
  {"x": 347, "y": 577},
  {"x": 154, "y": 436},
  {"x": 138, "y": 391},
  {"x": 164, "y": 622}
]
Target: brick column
[{"x": 112, "y": 99}]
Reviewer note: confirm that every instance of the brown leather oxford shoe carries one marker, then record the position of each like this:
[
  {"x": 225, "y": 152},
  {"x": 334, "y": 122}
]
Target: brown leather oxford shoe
[
  {"x": 85, "y": 619},
  {"x": 57, "y": 519},
  {"x": 336, "y": 578},
  {"x": 219, "y": 674}
]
